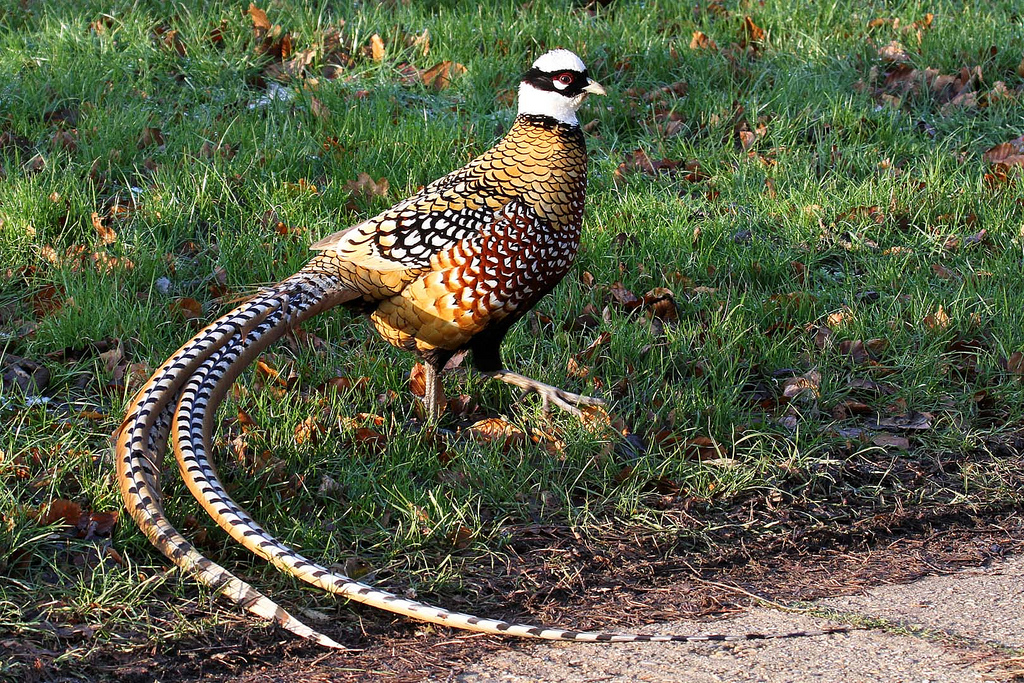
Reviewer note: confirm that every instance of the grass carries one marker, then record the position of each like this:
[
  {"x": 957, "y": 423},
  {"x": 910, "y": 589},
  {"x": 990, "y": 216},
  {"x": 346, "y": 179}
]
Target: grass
[{"x": 844, "y": 202}]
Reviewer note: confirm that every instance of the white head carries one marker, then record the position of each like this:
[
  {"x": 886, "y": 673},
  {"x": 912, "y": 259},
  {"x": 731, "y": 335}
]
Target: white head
[{"x": 556, "y": 86}]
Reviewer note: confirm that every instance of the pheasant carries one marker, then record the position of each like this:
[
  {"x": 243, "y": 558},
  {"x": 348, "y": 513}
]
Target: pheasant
[{"x": 451, "y": 268}]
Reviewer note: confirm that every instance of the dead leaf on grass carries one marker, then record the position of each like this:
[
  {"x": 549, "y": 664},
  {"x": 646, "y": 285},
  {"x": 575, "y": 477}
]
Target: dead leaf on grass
[
  {"x": 809, "y": 383},
  {"x": 1006, "y": 154},
  {"x": 624, "y": 299},
  {"x": 64, "y": 139},
  {"x": 48, "y": 299},
  {"x": 260, "y": 22},
  {"x": 849, "y": 407},
  {"x": 909, "y": 421},
  {"x": 939, "y": 320},
  {"x": 893, "y": 440},
  {"x": 151, "y": 136},
  {"x": 186, "y": 308},
  {"x": 638, "y": 161},
  {"x": 660, "y": 304},
  {"x": 106, "y": 234},
  {"x": 461, "y": 537},
  {"x": 1015, "y": 363},
  {"x": 22, "y": 375},
  {"x": 753, "y": 35},
  {"x": 863, "y": 351},
  {"x": 704, "y": 448},
  {"x": 418, "y": 380},
  {"x": 495, "y": 430},
  {"x": 34, "y": 165},
  {"x": 440, "y": 76},
  {"x": 309, "y": 431},
  {"x": 169, "y": 39},
  {"x": 944, "y": 273},
  {"x": 87, "y": 524},
  {"x": 893, "y": 52},
  {"x": 700, "y": 41},
  {"x": 366, "y": 188},
  {"x": 377, "y": 48}
]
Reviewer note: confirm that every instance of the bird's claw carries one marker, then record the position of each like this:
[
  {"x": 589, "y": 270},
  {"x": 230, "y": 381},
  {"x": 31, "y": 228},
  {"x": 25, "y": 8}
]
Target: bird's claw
[{"x": 549, "y": 395}]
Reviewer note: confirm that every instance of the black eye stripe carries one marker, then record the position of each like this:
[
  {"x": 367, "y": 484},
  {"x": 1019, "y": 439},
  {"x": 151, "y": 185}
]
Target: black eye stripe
[
  {"x": 535, "y": 72},
  {"x": 545, "y": 80}
]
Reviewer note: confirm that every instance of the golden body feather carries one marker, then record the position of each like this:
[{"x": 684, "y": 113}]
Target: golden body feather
[
  {"x": 450, "y": 268},
  {"x": 475, "y": 249}
]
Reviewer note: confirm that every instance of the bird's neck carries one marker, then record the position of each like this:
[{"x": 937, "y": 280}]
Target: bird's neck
[{"x": 536, "y": 102}]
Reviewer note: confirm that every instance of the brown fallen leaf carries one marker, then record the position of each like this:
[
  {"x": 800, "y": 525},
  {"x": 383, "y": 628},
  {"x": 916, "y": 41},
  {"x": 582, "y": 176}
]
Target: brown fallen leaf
[
  {"x": 939, "y": 320},
  {"x": 186, "y": 308},
  {"x": 704, "y": 448},
  {"x": 22, "y": 375},
  {"x": 809, "y": 383},
  {"x": 150, "y": 136},
  {"x": 48, "y": 299},
  {"x": 839, "y": 318},
  {"x": 309, "y": 431},
  {"x": 440, "y": 76},
  {"x": 64, "y": 139},
  {"x": 893, "y": 52},
  {"x": 862, "y": 351},
  {"x": 319, "y": 109},
  {"x": 860, "y": 213},
  {"x": 60, "y": 510},
  {"x": 34, "y": 165},
  {"x": 260, "y": 22},
  {"x": 245, "y": 421},
  {"x": 638, "y": 161},
  {"x": 588, "y": 353},
  {"x": 377, "y": 48},
  {"x": 1015, "y": 363},
  {"x": 574, "y": 368},
  {"x": 753, "y": 34},
  {"x": 624, "y": 298},
  {"x": 660, "y": 304},
  {"x": 339, "y": 384},
  {"x": 106, "y": 233},
  {"x": 497, "y": 431},
  {"x": 700, "y": 41},
  {"x": 169, "y": 39},
  {"x": 366, "y": 188},
  {"x": 848, "y": 407},
  {"x": 900, "y": 442},
  {"x": 1006, "y": 154},
  {"x": 909, "y": 421},
  {"x": 418, "y": 380},
  {"x": 461, "y": 537}
]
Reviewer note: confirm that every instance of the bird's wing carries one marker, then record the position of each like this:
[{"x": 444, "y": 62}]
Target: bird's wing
[{"x": 405, "y": 236}]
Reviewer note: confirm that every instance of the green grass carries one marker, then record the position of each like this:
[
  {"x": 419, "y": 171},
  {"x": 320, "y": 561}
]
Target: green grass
[{"x": 725, "y": 246}]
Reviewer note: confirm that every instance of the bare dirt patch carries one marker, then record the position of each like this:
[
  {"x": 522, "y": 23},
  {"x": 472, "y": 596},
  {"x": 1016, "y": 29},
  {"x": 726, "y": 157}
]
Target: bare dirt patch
[{"x": 783, "y": 546}]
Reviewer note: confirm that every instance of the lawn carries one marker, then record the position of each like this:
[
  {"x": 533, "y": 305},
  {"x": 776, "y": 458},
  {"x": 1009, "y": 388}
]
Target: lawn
[{"x": 799, "y": 291}]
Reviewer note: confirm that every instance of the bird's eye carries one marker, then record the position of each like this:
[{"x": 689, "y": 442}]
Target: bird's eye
[{"x": 565, "y": 79}]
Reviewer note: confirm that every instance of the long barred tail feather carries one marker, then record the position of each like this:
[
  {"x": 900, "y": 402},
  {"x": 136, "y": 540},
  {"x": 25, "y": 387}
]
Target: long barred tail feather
[
  {"x": 182, "y": 398},
  {"x": 141, "y": 442},
  {"x": 193, "y": 424}
]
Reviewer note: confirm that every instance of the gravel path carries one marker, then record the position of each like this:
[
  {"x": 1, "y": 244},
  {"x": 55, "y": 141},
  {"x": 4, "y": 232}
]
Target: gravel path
[{"x": 957, "y": 628}]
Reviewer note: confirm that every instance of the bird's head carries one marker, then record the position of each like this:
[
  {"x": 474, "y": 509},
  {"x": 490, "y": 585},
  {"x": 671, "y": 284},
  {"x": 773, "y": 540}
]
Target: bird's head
[{"x": 556, "y": 86}]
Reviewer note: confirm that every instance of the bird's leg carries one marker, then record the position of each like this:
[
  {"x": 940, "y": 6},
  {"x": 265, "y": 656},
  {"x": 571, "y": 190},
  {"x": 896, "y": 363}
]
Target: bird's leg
[
  {"x": 433, "y": 395},
  {"x": 565, "y": 400}
]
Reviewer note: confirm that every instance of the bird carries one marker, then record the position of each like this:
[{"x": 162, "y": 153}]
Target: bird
[{"x": 449, "y": 269}]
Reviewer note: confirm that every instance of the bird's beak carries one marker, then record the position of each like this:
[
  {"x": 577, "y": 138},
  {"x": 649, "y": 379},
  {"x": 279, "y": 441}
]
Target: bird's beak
[{"x": 594, "y": 88}]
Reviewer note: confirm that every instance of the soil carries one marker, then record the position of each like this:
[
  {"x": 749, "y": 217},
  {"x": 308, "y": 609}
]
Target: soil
[{"x": 776, "y": 547}]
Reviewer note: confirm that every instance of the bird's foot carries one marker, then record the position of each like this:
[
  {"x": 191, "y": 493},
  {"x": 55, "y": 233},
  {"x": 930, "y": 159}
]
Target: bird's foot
[{"x": 566, "y": 400}]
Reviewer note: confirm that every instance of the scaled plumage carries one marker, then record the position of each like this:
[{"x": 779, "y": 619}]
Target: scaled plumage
[{"x": 450, "y": 268}]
